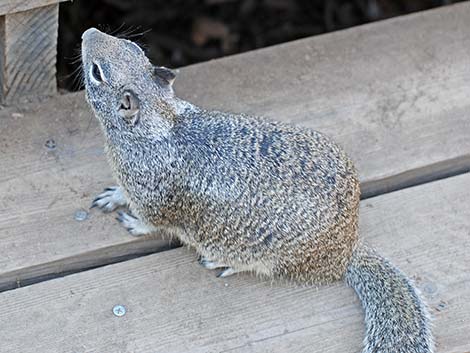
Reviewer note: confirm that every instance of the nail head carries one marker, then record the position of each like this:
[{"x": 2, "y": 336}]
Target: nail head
[
  {"x": 430, "y": 288},
  {"x": 50, "y": 144}
]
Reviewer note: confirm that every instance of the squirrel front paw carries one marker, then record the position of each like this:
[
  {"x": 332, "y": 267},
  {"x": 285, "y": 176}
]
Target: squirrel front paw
[
  {"x": 134, "y": 225},
  {"x": 110, "y": 199}
]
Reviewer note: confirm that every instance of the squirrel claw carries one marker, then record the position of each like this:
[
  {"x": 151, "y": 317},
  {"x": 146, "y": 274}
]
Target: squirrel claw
[
  {"x": 210, "y": 265},
  {"x": 120, "y": 217},
  {"x": 227, "y": 272},
  {"x": 109, "y": 200},
  {"x": 133, "y": 224}
]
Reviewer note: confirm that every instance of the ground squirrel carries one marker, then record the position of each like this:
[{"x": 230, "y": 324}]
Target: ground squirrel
[{"x": 246, "y": 193}]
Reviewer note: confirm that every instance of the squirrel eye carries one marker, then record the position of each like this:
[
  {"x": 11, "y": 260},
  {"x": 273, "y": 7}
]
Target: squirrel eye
[{"x": 96, "y": 73}]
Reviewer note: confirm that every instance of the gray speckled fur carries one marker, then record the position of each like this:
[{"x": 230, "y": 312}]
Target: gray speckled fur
[{"x": 252, "y": 194}]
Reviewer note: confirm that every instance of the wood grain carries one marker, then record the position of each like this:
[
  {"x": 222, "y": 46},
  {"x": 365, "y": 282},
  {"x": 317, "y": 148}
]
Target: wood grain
[
  {"x": 28, "y": 47},
  {"x": 13, "y": 6},
  {"x": 174, "y": 305},
  {"x": 338, "y": 83}
]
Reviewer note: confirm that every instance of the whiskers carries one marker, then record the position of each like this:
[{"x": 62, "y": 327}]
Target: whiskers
[
  {"x": 134, "y": 33},
  {"x": 130, "y": 33},
  {"x": 77, "y": 74}
]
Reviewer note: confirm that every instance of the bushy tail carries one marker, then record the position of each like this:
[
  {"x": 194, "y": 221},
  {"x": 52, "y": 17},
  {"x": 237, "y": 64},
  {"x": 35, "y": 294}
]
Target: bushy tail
[{"x": 397, "y": 320}]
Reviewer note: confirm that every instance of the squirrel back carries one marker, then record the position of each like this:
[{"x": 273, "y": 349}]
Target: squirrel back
[{"x": 246, "y": 193}]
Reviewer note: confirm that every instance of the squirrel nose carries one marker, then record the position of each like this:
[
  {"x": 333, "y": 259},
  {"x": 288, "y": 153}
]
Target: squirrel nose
[{"x": 89, "y": 33}]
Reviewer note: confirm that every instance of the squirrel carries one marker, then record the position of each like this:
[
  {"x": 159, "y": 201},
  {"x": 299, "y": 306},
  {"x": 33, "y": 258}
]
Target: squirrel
[{"x": 248, "y": 194}]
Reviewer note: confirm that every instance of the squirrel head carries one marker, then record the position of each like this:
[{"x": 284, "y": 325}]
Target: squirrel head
[{"x": 127, "y": 93}]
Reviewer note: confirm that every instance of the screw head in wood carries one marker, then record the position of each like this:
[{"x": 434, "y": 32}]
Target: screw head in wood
[
  {"x": 119, "y": 310},
  {"x": 80, "y": 215}
]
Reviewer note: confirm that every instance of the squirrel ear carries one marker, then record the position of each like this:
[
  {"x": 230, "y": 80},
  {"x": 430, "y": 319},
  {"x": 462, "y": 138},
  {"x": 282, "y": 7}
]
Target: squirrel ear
[
  {"x": 165, "y": 74},
  {"x": 129, "y": 108}
]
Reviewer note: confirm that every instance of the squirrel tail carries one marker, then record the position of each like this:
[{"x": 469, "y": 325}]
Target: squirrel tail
[{"x": 397, "y": 320}]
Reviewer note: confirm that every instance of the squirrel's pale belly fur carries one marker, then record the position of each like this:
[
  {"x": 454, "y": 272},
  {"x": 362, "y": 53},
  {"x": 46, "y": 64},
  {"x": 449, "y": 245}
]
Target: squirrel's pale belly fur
[{"x": 246, "y": 193}]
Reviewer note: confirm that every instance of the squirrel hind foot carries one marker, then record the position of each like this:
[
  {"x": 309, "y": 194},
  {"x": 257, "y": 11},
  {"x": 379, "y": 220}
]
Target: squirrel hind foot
[{"x": 213, "y": 265}]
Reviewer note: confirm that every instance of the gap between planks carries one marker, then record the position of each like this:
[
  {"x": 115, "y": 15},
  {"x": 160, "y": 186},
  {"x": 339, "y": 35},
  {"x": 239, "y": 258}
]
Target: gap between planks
[
  {"x": 84, "y": 262},
  {"x": 436, "y": 171}
]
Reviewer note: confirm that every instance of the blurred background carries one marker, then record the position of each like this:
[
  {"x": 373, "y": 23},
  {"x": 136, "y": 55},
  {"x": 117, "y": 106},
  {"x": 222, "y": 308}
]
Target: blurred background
[{"x": 179, "y": 33}]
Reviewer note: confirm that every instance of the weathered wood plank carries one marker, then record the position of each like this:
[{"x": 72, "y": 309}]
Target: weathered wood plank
[
  {"x": 28, "y": 47},
  {"x": 52, "y": 163},
  {"x": 42, "y": 188},
  {"x": 174, "y": 305},
  {"x": 12, "y": 6}
]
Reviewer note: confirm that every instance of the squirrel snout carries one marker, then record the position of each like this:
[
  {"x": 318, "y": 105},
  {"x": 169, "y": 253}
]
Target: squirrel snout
[{"x": 89, "y": 33}]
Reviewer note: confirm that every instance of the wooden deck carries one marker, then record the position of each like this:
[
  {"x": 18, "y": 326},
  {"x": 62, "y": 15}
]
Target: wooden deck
[{"x": 395, "y": 94}]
